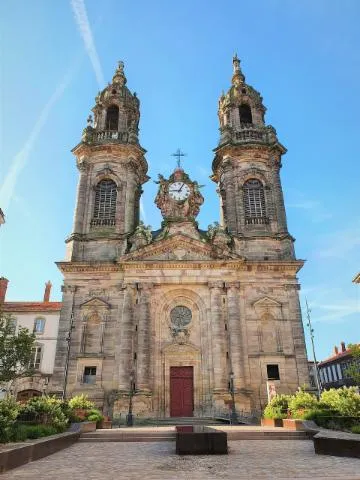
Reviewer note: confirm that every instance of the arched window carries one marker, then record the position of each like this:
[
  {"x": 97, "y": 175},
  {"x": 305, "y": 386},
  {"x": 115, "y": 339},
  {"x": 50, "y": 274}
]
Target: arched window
[
  {"x": 245, "y": 113},
  {"x": 254, "y": 202},
  {"x": 112, "y": 118},
  {"x": 105, "y": 203}
]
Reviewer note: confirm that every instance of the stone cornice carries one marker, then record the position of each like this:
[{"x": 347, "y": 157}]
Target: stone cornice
[{"x": 288, "y": 267}]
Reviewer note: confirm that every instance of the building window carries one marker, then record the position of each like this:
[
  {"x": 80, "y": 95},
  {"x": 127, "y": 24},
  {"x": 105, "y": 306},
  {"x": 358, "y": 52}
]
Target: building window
[
  {"x": 89, "y": 375},
  {"x": 245, "y": 113},
  {"x": 35, "y": 361},
  {"x": 339, "y": 371},
  {"x": 273, "y": 372},
  {"x": 105, "y": 203},
  {"x": 112, "y": 118},
  {"x": 254, "y": 202},
  {"x": 12, "y": 322},
  {"x": 333, "y": 367},
  {"x": 39, "y": 325}
]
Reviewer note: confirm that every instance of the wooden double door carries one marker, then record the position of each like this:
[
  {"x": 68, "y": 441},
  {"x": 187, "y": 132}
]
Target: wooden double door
[{"x": 181, "y": 391}]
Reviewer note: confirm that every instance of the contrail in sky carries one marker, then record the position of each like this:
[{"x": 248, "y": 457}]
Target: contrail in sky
[
  {"x": 142, "y": 211},
  {"x": 83, "y": 24},
  {"x": 19, "y": 162}
]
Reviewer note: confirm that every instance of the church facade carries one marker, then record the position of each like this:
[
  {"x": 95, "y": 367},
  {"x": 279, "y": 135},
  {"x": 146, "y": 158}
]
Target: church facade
[{"x": 181, "y": 320}]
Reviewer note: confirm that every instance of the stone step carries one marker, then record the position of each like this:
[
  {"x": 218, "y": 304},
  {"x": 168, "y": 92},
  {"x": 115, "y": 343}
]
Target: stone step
[{"x": 128, "y": 438}]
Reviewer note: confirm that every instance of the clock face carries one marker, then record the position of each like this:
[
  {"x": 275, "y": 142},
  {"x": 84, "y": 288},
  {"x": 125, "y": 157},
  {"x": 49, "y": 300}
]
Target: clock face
[{"x": 179, "y": 190}]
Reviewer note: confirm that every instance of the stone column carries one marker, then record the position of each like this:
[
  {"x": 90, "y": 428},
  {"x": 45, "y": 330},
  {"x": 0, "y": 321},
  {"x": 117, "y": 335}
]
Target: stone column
[
  {"x": 278, "y": 197},
  {"x": 234, "y": 332},
  {"x": 126, "y": 338},
  {"x": 228, "y": 185},
  {"x": 144, "y": 331},
  {"x": 218, "y": 336},
  {"x": 81, "y": 198}
]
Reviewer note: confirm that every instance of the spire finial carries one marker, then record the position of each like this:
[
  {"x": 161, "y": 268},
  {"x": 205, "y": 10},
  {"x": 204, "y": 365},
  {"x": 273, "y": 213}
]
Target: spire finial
[
  {"x": 238, "y": 76},
  {"x": 178, "y": 154},
  {"x": 119, "y": 76}
]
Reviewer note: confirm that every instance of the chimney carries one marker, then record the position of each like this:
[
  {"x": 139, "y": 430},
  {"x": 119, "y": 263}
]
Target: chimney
[
  {"x": 336, "y": 350},
  {"x": 343, "y": 347},
  {"x": 47, "y": 291},
  {"x": 3, "y": 287}
]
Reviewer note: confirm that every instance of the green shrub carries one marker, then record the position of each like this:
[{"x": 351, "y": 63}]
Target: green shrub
[
  {"x": 345, "y": 401},
  {"x": 302, "y": 402},
  {"x": 38, "y": 431},
  {"x": 94, "y": 415},
  {"x": 277, "y": 408},
  {"x": 355, "y": 429},
  {"x": 81, "y": 402},
  {"x": 48, "y": 411},
  {"x": 9, "y": 410},
  {"x": 18, "y": 433}
]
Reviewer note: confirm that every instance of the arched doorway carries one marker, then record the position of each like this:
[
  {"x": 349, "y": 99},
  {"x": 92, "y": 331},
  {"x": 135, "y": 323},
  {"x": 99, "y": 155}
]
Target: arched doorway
[{"x": 25, "y": 395}]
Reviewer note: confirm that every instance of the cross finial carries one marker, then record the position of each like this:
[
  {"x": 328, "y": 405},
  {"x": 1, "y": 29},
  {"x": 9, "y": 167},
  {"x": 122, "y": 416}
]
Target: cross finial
[{"x": 178, "y": 154}]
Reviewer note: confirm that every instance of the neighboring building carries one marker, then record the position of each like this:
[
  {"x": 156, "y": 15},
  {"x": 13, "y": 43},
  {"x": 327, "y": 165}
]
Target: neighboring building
[
  {"x": 179, "y": 314},
  {"x": 43, "y": 319},
  {"x": 2, "y": 217},
  {"x": 332, "y": 370}
]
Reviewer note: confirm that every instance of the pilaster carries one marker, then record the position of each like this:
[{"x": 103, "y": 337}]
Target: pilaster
[{"x": 218, "y": 335}]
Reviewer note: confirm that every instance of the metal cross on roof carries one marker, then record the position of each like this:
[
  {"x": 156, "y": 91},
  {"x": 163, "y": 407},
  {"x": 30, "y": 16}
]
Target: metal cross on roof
[{"x": 178, "y": 154}]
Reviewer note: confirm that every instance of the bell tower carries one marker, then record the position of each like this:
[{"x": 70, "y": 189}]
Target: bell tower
[
  {"x": 246, "y": 169},
  {"x": 112, "y": 170}
]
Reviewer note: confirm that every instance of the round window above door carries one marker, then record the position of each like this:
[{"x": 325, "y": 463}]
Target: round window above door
[{"x": 180, "y": 316}]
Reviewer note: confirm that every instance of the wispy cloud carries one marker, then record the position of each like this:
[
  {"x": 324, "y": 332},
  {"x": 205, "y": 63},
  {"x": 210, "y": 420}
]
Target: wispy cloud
[
  {"x": 331, "y": 305},
  {"x": 7, "y": 189},
  {"x": 83, "y": 24},
  {"x": 316, "y": 210},
  {"x": 340, "y": 244}
]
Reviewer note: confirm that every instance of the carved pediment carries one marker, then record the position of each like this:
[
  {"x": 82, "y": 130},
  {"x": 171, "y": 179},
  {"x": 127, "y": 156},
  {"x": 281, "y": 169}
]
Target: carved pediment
[
  {"x": 267, "y": 307},
  {"x": 267, "y": 302},
  {"x": 176, "y": 247},
  {"x": 95, "y": 303}
]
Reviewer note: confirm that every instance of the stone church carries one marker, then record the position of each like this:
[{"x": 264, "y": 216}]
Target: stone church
[{"x": 180, "y": 319}]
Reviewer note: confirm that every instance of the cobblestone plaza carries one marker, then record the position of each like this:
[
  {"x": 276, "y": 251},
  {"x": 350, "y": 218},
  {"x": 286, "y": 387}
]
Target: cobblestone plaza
[{"x": 247, "y": 459}]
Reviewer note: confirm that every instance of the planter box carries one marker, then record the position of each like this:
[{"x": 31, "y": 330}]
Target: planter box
[
  {"x": 200, "y": 440},
  {"x": 293, "y": 424},
  {"x": 272, "y": 422},
  {"x": 86, "y": 427},
  {"x": 106, "y": 424}
]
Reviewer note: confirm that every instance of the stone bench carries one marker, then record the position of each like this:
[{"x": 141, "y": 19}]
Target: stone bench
[
  {"x": 200, "y": 440},
  {"x": 339, "y": 444}
]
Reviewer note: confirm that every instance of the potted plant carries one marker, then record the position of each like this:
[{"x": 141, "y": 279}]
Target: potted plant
[
  {"x": 299, "y": 405},
  {"x": 275, "y": 411}
]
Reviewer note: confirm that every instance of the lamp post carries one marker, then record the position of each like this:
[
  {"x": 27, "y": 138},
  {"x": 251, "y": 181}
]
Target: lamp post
[
  {"x": 311, "y": 330},
  {"x": 129, "y": 416},
  {"x": 233, "y": 416}
]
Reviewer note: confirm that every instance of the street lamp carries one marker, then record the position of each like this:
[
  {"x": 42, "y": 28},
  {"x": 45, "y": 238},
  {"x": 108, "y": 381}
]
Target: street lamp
[
  {"x": 311, "y": 330},
  {"x": 129, "y": 416},
  {"x": 233, "y": 416}
]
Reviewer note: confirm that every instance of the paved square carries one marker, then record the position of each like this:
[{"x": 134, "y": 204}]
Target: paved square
[{"x": 248, "y": 459}]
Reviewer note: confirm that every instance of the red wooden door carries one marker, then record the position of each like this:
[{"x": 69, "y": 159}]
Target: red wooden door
[{"x": 181, "y": 392}]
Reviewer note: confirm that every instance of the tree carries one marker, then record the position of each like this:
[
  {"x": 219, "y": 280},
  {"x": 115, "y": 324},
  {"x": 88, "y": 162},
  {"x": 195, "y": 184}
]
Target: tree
[
  {"x": 353, "y": 370},
  {"x": 16, "y": 351}
]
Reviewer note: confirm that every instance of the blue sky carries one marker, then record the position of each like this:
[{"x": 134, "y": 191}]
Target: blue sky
[{"x": 303, "y": 57}]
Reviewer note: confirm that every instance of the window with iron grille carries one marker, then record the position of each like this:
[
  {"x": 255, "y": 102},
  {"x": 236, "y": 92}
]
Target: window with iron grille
[
  {"x": 105, "y": 203},
  {"x": 254, "y": 201}
]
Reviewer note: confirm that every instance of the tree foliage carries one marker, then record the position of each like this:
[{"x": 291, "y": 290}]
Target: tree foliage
[
  {"x": 15, "y": 350},
  {"x": 353, "y": 370}
]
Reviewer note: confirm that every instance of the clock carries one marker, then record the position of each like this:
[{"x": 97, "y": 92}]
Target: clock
[{"x": 179, "y": 190}]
